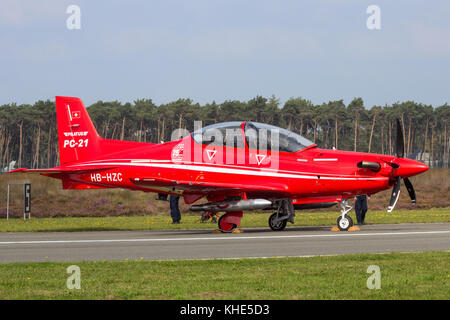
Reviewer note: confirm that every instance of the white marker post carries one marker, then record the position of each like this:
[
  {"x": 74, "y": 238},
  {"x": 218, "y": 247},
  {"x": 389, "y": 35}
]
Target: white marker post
[
  {"x": 7, "y": 205},
  {"x": 26, "y": 199}
]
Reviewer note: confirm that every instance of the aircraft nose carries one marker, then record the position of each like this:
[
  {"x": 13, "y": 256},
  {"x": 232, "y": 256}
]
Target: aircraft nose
[{"x": 408, "y": 167}]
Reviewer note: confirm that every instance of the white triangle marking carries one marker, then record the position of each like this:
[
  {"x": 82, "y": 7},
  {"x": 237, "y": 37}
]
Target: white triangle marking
[
  {"x": 260, "y": 158},
  {"x": 211, "y": 153}
]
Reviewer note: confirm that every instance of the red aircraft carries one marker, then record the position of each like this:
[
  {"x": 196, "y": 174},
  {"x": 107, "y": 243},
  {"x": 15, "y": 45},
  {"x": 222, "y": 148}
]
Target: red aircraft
[{"x": 236, "y": 166}]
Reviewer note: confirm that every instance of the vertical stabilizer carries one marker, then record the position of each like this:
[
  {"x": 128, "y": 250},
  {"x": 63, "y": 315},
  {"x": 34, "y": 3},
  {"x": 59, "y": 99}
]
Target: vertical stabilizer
[{"x": 78, "y": 138}]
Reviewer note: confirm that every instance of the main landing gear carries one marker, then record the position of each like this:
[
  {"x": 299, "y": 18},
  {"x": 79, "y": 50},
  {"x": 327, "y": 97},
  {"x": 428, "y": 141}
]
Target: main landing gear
[
  {"x": 229, "y": 221},
  {"x": 344, "y": 221},
  {"x": 285, "y": 212}
]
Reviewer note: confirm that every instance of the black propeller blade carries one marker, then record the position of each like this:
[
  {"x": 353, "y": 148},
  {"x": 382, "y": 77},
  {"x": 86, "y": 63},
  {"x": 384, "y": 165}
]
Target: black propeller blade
[
  {"x": 410, "y": 188},
  {"x": 400, "y": 146},
  {"x": 400, "y": 153},
  {"x": 395, "y": 194}
]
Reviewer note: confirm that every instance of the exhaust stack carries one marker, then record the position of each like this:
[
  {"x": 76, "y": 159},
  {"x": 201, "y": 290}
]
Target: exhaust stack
[{"x": 374, "y": 166}]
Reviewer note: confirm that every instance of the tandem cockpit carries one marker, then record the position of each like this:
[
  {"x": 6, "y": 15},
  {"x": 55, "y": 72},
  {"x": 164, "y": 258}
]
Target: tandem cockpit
[{"x": 252, "y": 135}]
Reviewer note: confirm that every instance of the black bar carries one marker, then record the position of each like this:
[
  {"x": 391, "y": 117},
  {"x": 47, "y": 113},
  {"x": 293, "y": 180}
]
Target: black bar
[
  {"x": 235, "y": 309},
  {"x": 27, "y": 198}
]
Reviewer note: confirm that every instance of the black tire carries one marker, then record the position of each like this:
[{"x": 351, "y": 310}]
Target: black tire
[
  {"x": 344, "y": 225},
  {"x": 276, "y": 226},
  {"x": 226, "y": 228}
]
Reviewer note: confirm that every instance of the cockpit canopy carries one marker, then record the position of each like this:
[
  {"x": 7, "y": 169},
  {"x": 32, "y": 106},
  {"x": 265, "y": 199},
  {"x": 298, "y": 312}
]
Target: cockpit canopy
[{"x": 259, "y": 136}]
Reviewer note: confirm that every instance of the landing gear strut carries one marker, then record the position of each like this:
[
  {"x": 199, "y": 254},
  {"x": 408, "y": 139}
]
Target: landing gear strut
[
  {"x": 285, "y": 212},
  {"x": 206, "y": 215},
  {"x": 344, "y": 221}
]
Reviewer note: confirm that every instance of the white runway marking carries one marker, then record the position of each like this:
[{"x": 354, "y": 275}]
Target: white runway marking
[{"x": 226, "y": 238}]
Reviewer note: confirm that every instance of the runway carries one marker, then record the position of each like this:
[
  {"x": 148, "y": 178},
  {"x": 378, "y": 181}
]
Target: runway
[{"x": 203, "y": 244}]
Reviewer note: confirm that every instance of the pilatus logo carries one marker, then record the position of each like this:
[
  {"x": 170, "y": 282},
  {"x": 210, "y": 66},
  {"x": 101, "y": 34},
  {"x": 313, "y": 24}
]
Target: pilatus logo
[{"x": 76, "y": 114}]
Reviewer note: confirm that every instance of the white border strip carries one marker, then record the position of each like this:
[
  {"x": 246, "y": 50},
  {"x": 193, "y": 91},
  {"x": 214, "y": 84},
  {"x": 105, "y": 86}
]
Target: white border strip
[
  {"x": 233, "y": 171},
  {"x": 333, "y": 159},
  {"x": 70, "y": 113},
  {"x": 227, "y": 238},
  {"x": 100, "y": 162}
]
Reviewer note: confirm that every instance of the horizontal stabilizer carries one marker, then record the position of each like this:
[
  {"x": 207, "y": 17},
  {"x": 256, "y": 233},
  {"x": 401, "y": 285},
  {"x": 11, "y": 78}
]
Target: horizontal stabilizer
[
  {"x": 58, "y": 170},
  {"x": 40, "y": 171}
]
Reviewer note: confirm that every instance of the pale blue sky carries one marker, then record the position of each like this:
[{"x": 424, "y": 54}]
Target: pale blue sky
[{"x": 224, "y": 50}]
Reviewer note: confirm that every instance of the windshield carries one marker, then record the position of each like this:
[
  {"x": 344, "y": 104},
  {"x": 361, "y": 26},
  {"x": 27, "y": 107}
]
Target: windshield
[
  {"x": 263, "y": 136},
  {"x": 220, "y": 134},
  {"x": 259, "y": 136}
]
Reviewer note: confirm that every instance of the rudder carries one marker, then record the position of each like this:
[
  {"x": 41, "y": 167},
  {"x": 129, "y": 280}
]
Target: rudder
[{"x": 78, "y": 139}]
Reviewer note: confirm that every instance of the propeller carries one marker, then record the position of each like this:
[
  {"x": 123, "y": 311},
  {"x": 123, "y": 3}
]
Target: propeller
[
  {"x": 410, "y": 188},
  {"x": 395, "y": 194},
  {"x": 400, "y": 147}
]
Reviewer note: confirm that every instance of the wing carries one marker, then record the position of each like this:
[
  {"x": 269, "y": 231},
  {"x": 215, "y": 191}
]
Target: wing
[{"x": 198, "y": 189}]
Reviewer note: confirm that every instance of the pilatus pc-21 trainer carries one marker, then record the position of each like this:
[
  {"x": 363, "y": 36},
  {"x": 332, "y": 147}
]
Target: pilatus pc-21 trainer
[{"x": 231, "y": 167}]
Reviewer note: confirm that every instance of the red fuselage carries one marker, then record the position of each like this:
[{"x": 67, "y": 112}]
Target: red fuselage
[{"x": 305, "y": 176}]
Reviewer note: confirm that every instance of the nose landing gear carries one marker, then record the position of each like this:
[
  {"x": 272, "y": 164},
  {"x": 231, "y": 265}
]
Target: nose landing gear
[{"x": 344, "y": 221}]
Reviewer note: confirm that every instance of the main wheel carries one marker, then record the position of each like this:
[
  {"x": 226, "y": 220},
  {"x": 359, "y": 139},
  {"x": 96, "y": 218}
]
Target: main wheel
[
  {"x": 276, "y": 225},
  {"x": 225, "y": 226},
  {"x": 344, "y": 223}
]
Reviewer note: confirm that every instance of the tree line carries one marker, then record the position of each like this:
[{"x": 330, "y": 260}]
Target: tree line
[{"x": 28, "y": 133}]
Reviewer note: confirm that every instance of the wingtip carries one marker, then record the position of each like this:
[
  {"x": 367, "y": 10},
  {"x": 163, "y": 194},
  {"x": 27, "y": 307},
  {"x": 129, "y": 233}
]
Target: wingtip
[{"x": 18, "y": 170}]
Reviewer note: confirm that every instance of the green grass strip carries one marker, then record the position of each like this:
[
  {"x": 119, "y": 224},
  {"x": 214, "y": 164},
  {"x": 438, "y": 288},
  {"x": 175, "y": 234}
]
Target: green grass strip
[{"x": 403, "y": 276}]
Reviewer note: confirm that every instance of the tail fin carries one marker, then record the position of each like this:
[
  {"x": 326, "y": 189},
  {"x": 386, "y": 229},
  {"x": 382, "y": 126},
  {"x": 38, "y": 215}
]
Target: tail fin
[{"x": 78, "y": 138}]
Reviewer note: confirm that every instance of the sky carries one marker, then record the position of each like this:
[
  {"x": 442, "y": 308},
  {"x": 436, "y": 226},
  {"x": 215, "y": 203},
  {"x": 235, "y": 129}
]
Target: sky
[{"x": 217, "y": 50}]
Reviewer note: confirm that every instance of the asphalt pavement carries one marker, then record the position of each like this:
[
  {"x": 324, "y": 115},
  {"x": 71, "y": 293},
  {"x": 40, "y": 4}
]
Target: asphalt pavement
[{"x": 203, "y": 244}]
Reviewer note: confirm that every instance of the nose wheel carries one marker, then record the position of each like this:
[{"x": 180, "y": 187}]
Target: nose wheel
[{"x": 344, "y": 221}]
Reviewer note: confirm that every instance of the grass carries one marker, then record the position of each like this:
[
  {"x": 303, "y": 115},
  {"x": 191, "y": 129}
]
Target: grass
[
  {"x": 403, "y": 276},
  {"x": 158, "y": 222}
]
